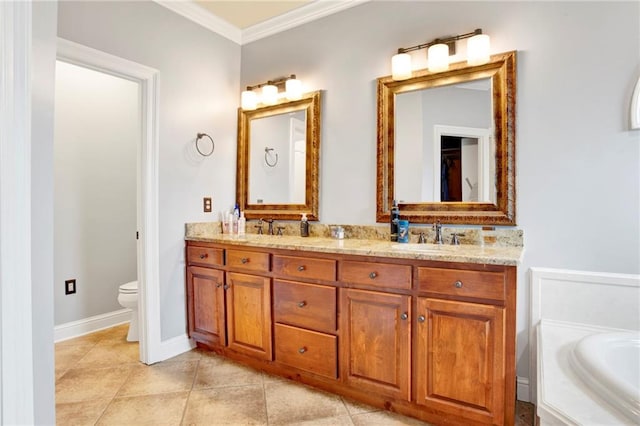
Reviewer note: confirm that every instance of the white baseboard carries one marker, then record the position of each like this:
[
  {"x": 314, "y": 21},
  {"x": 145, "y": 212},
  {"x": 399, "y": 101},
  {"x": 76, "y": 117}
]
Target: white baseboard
[
  {"x": 176, "y": 346},
  {"x": 81, "y": 327},
  {"x": 522, "y": 389}
]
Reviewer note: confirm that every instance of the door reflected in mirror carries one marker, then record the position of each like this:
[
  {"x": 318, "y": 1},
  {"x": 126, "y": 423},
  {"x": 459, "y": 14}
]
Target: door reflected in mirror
[
  {"x": 277, "y": 159},
  {"x": 444, "y": 144}
]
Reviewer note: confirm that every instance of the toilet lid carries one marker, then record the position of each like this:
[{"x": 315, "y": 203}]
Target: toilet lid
[{"x": 130, "y": 287}]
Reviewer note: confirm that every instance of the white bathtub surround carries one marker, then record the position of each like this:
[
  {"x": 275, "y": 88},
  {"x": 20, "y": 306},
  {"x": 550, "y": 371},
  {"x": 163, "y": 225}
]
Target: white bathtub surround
[{"x": 585, "y": 346}]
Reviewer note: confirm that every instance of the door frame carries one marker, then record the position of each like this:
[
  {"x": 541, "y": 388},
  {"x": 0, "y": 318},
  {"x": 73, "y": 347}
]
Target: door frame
[{"x": 147, "y": 184}]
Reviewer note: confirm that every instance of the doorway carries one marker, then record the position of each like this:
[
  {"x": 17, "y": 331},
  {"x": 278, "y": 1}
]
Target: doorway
[{"x": 145, "y": 79}]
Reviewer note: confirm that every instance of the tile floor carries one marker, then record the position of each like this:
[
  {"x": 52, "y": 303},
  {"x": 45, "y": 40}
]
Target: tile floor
[{"x": 99, "y": 381}]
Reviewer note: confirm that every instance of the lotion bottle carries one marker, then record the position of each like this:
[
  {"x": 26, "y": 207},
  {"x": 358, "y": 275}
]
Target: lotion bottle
[
  {"x": 304, "y": 226},
  {"x": 242, "y": 225}
]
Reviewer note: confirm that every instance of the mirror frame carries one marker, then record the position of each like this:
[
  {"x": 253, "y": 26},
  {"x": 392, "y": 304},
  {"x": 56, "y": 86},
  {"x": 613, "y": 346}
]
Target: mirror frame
[
  {"x": 502, "y": 71},
  {"x": 310, "y": 102}
]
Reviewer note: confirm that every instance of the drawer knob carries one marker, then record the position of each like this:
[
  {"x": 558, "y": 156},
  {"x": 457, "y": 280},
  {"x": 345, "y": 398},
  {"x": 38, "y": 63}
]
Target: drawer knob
[
  {"x": 421, "y": 318},
  {"x": 302, "y": 350},
  {"x": 203, "y": 256},
  {"x": 244, "y": 260},
  {"x": 373, "y": 275},
  {"x": 458, "y": 284},
  {"x": 404, "y": 316},
  {"x": 302, "y": 304},
  {"x": 301, "y": 268}
]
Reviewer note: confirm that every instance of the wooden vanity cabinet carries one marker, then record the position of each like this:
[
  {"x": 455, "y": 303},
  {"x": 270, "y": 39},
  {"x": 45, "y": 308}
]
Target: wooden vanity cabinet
[{"x": 432, "y": 340}]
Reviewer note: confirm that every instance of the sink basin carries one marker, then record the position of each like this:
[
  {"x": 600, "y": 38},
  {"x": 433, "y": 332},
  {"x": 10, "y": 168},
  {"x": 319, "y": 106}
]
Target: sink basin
[{"x": 425, "y": 248}]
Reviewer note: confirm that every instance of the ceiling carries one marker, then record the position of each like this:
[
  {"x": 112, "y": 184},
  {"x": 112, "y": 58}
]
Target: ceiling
[{"x": 246, "y": 13}]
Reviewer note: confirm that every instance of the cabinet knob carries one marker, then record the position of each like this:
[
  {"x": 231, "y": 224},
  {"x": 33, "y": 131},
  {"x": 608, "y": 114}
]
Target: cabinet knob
[
  {"x": 226, "y": 287},
  {"x": 244, "y": 260},
  {"x": 301, "y": 268},
  {"x": 421, "y": 318},
  {"x": 302, "y": 350},
  {"x": 302, "y": 304},
  {"x": 404, "y": 316},
  {"x": 373, "y": 275},
  {"x": 458, "y": 284},
  {"x": 218, "y": 285},
  {"x": 203, "y": 256}
]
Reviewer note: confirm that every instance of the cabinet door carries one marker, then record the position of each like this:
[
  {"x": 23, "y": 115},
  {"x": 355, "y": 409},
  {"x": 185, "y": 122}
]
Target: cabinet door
[
  {"x": 249, "y": 314},
  {"x": 205, "y": 299},
  {"x": 460, "y": 359},
  {"x": 375, "y": 341}
]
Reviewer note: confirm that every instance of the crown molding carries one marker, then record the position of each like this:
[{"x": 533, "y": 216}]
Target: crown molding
[
  {"x": 201, "y": 16},
  {"x": 307, "y": 13}
]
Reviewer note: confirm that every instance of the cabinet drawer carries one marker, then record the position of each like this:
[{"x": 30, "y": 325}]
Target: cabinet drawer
[
  {"x": 376, "y": 274},
  {"x": 248, "y": 260},
  {"x": 453, "y": 282},
  {"x": 305, "y": 267},
  {"x": 204, "y": 256},
  {"x": 305, "y": 305},
  {"x": 307, "y": 350}
]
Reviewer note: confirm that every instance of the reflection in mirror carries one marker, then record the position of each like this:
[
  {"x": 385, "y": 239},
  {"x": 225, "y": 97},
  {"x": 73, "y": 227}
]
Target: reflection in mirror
[
  {"x": 446, "y": 144},
  {"x": 278, "y": 159},
  {"x": 444, "y": 136}
]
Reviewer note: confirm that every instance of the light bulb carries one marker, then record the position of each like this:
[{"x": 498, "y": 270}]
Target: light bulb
[
  {"x": 401, "y": 66},
  {"x": 293, "y": 89},
  {"x": 438, "y": 57},
  {"x": 269, "y": 94},
  {"x": 478, "y": 49},
  {"x": 249, "y": 100}
]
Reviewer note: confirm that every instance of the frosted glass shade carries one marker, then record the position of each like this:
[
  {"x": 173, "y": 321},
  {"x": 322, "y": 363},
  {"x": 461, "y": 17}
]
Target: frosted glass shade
[
  {"x": 293, "y": 89},
  {"x": 401, "y": 66},
  {"x": 269, "y": 94},
  {"x": 478, "y": 49},
  {"x": 438, "y": 57},
  {"x": 249, "y": 100}
]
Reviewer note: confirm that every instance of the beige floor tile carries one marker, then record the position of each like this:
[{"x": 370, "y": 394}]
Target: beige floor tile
[
  {"x": 68, "y": 356},
  {"x": 525, "y": 414},
  {"x": 107, "y": 353},
  {"x": 90, "y": 339},
  {"x": 356, "y": 407},
  {"x": 244, "y": 405},
  {"x": 163, "y": 377},
  {"x": 218, "y": 372},
  {"x": 192, "y": 355},
  {"x": 296, "y": 403},
  {"x": 163, "y": 409},
  {"x": 86, "y": 384},
  {"x": 385, "y": 418},
  {"x": 327, "y": 421},
  {"x": 114, "y": 334},
  {"x": 80, "y": 413}
]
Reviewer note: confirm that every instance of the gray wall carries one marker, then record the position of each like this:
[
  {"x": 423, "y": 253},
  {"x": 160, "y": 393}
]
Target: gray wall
[
  {"x": 577, "y": 162},
  {"x": 42, "y": 85},
  {"x": 199, "y": 92},
  {"x": 97, "y": 133}
]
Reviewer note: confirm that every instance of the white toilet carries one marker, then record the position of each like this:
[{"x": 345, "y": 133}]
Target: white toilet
[{"x": 128, "y": 298}]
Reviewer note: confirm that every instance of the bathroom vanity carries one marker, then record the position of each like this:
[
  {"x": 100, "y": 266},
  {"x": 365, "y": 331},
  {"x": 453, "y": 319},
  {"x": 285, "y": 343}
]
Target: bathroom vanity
[{"x": 426, "y": 331}]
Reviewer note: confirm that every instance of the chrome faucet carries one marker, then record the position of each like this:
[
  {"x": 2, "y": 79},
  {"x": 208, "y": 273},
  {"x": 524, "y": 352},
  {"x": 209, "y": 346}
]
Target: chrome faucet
[
  {"x": 438, "y": 228},
  {"x": 422, "y": 239},
  {"x": 270, "y": 223},
  {"x": 259, "y": 226}
]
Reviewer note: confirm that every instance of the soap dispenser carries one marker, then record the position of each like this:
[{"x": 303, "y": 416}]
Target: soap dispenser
[
  {"x": 304, "y": 226},
  {"x": 395, "y": 217}
]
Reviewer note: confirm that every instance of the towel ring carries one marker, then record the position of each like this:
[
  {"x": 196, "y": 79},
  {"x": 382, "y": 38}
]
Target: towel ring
[
  {"x": 267, "y": 150},
  {"x": 213, "y": 145}
]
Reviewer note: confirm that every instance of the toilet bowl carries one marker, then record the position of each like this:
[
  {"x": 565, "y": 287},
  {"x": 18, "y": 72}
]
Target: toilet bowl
[{"x": 128, "y": 298}]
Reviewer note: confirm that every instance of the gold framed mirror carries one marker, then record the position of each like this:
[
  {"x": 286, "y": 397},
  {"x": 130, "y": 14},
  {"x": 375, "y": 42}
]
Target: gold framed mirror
[
  {"x": 278, "y": 159},
  {"x": 446, "y": 144}
]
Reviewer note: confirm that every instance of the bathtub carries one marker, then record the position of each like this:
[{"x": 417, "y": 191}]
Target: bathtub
[
  {"x": 587, "y": 375},
  {"x": 609, "y": 363}
]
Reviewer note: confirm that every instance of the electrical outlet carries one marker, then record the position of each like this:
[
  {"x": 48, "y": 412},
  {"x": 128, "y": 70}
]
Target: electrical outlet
[
  {"x": 70, "y": 286},
  {"x": 207, "y": 204}
]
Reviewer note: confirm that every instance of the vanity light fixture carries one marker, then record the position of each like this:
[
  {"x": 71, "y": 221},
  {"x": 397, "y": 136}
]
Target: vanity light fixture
[
  {"x": 438, "y": 52},
  {"x": 269, "y": 92}
]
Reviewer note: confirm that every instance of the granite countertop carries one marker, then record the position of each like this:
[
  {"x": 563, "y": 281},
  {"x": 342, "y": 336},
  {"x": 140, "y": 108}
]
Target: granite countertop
[{"x": 493, "y": 255}]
